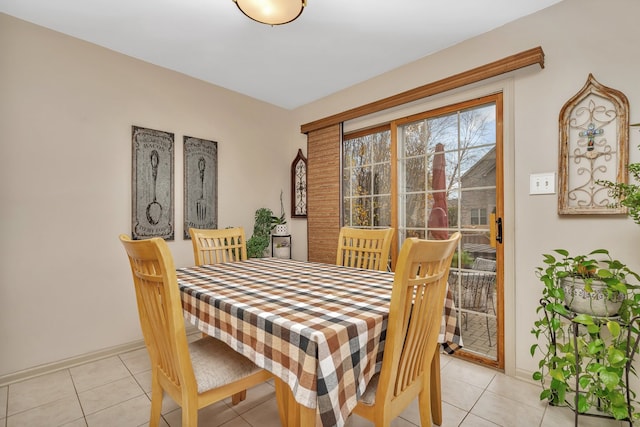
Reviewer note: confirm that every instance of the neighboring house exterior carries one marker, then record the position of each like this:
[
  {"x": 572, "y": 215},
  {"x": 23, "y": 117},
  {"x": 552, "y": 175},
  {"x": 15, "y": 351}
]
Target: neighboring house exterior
[{"x": 478, "y": 200}]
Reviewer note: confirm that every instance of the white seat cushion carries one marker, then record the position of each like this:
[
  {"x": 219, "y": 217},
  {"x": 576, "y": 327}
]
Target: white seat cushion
[
  {"x": 369, "y": 396},
  {"x": 216, "y": 364}
]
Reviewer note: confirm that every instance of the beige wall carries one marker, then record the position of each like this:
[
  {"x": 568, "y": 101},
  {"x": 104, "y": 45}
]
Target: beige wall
[{"x": 66, "y": 110}]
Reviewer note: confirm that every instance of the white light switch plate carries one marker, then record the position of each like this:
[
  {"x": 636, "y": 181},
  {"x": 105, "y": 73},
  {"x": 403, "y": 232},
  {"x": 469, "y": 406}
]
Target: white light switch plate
[{"x": 542, "y": 183}]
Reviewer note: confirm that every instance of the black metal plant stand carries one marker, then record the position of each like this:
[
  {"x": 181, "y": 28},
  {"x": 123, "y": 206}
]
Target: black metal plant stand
[{"x": 631, "y": 351}]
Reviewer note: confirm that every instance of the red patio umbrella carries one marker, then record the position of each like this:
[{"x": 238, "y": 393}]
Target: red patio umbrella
[{"x": 438, "y": 215}]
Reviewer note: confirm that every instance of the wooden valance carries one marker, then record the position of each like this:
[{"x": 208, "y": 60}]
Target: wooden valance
[{"x": 501, "y": 66}]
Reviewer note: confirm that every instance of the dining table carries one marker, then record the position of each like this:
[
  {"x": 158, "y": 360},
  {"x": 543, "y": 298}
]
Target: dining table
[{"x": 319, "y": 328}]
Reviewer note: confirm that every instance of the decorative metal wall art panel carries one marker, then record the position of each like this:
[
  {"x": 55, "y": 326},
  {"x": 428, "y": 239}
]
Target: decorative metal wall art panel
[
  {"x": 299, "y": 186},
  {"x": 200, "y": 184},
  {"x": 594, "y": 139},
  {"x": 152, "y": 184}
]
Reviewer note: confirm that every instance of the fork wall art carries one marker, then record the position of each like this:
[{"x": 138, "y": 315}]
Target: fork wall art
[
  {"x": 200, "y": 184},
  {"x": 152, "y": 184}
]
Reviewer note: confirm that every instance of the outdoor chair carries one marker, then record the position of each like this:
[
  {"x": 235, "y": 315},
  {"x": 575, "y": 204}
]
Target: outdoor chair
[{"x": 476, "y": 289}]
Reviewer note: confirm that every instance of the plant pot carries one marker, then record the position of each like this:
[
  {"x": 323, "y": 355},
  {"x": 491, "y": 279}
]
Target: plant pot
[
  {"x": 280, "y": 230},
  {"x": 595, "y": 303},
  {"x": 282, "y": 252}
]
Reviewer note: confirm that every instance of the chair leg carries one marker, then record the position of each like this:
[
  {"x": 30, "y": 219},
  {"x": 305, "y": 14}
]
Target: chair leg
[
  {"x": 156, "y": 402},
  {"x": 435, "y": 388},
  {"x": 189, "y": 415},
  {"x": 424, "y": 402},
  {"x": 488, "y": 331},
  {"x": 238, "y": 397}
]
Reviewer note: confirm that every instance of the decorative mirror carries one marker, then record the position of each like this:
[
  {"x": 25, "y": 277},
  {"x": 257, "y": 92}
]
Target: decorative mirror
[
  {"x": 594, "y": 138},
  {"x": 299, "y": 186}
]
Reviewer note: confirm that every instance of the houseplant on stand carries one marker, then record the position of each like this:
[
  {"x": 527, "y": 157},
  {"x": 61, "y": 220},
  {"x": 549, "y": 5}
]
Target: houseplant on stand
[
  {"x": 259, "y": 241},
  {"x": 584, "y": 353},
  {"x": 265, "y": 223}
]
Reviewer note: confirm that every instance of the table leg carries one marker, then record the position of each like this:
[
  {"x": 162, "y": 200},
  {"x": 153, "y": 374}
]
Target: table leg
[
  {"x": 435, "y": 390},
  {"x": 307, "y": 416},
  {"x": 282, "y": 397},
  {"x": 292, "y": 414}
]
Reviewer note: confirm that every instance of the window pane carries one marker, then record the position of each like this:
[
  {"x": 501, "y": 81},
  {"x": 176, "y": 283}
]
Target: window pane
[
  {"x": 359, "y": 153},
  {"x": 443, "y": 130},
  {"x": 414, "y": 169},
  {"x": 362, "y": 181},
  {"x": 382, "y": 178},
  {"x": 415, "y": 210},
  {"x": 361, "y": 212},
  {"x": 478, "y": 126},
  {"x": 382, "y": 211},
  {"x": 366, "y": 180},
  {"x": 381, "y": 147},
  {"x": 346, "y": 210},
  {"x": 475, "y": 205},
  {"x": 413, "y": 139},
  {"x": 478, "y": 168},
  {"x": 346, "y": 182}
]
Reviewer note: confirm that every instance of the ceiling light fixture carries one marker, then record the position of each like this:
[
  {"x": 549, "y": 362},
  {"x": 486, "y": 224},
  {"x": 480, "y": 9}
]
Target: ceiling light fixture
[{"x": 271, "y": 12}]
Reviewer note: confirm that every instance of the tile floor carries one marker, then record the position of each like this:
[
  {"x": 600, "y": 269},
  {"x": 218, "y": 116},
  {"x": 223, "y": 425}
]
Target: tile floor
[{"x": 114, "y": 392}]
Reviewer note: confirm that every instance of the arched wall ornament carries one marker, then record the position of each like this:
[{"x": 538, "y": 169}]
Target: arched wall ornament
[
  {"x": 299, "y": 186},
  {"x": 594, "y": 145}
]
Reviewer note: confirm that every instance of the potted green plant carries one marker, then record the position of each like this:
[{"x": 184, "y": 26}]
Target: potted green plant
[
  {"x": 586, "y": 359},
  {"x": 627, "y": 194},
  {"x": 259, "y": 241}
]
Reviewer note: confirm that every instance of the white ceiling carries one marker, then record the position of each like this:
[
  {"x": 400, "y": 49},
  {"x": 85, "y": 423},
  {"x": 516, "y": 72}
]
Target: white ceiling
[{"x": 333, "y": 45}]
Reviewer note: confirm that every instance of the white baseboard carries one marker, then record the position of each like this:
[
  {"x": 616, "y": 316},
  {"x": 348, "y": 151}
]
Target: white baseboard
[
  {"x": 76, "y": 360},
  {"x": 69, "y": 363}
]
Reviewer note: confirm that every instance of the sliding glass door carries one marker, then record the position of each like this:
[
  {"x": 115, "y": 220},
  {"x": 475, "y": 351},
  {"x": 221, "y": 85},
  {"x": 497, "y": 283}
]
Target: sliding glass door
[{"x": 430, "y": 175}]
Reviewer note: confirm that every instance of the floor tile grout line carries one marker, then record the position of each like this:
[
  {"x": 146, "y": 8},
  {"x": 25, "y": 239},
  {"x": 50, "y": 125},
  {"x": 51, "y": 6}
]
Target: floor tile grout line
[
  {"x": 75, "y": 388},
  {"x": 132, "y": 376}
]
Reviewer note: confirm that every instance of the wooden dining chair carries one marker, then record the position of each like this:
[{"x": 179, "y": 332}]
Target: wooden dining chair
[
  {"x": 213, "y": 246},
  {"x": 415, "y": 315},
  {"x": 364, "y": 248},
  {"x": 194, "y": 374}
]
